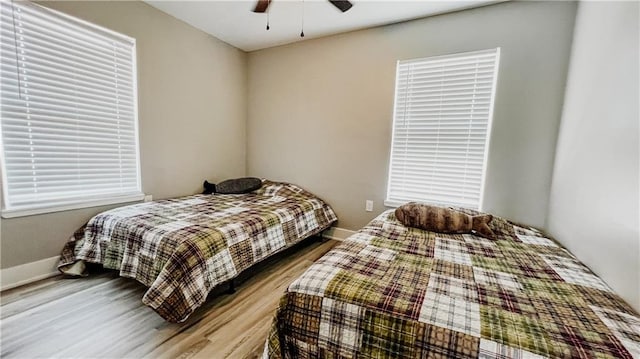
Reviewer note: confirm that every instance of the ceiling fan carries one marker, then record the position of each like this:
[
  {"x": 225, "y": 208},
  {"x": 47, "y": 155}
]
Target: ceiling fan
[{"x": 342, "y": 5}]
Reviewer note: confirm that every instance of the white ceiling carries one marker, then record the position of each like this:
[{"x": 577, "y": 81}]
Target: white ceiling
[{"x": 234, "y": 22}]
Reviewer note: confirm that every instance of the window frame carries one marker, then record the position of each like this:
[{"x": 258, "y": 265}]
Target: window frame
[
  {"x": 395, "y": 202},
  {"x": 90, "y": 200}
]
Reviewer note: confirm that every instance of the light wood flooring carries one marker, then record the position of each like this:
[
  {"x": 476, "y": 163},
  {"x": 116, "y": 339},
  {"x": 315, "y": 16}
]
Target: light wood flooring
[{"x": 103, "y": 316}]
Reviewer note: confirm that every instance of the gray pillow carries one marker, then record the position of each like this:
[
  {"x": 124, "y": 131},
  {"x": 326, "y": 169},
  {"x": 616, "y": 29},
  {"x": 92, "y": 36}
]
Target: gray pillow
[{"x": 234, "y": 186}]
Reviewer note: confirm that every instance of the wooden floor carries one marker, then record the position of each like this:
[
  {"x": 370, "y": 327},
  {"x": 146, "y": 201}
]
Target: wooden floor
[{"x": 103, "y": 316}]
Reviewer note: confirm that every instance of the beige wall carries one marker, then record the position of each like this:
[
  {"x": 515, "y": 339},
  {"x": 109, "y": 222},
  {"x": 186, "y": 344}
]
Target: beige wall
[
  {"x": 593, "y": 208},
  {"x": 320, "y": 111},
  {"x": 192, "y": 92}
]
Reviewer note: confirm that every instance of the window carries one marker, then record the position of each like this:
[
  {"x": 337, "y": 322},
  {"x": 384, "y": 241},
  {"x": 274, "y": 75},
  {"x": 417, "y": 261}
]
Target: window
[
  {"x": 441, "y": 124},
  {"x": 68, "y": 106}
]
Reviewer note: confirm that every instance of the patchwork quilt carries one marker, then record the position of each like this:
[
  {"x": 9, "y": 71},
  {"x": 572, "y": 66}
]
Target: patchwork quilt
[
  {"x": 395, "y": 292},
  {"x": 182, "y": 248}
]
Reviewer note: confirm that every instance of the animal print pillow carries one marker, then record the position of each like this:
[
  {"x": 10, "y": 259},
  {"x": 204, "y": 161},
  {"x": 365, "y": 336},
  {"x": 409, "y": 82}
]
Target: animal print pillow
[{"x": 443, "y": 220}]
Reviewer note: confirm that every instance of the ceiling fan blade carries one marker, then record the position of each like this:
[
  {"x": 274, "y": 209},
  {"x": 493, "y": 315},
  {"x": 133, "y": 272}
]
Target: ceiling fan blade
[
  {"x": 343, "y": 5},
  {"x": 262, "y": 5}
]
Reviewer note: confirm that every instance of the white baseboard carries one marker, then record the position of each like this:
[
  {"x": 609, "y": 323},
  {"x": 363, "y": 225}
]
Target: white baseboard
[
  {"x": 337, "y": 233},
  {"x": 29, "y": 272}
]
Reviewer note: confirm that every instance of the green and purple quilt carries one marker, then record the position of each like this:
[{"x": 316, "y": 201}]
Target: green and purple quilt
[
  {"x": 395, "y": 292},
  {"x": 182, "y": 248}
]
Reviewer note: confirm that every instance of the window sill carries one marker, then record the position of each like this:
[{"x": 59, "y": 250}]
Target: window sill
[{"x": 22, "y": 212}]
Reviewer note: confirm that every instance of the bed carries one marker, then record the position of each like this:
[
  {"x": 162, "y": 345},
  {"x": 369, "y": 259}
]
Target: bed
[
  {"x": 390, "y": 291},
  {"x": 182, "y": 248}
]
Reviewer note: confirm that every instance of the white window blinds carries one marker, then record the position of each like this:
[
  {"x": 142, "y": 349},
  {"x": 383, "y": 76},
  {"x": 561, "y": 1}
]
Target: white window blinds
[
  {"x": 68, "y": 110},
  {"x": 442, "y": 117}
]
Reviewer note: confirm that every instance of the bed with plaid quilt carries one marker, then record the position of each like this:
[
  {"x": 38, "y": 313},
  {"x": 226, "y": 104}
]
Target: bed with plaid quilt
[
  {"x": 390, "y": 291},
  {"x": 182, "y": 248}
]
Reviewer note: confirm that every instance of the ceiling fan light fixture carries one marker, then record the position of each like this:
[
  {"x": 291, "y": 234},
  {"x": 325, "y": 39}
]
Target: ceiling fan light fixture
[
  {"x": 342, "y": 5},
  {"x": 263, "y": 6}
]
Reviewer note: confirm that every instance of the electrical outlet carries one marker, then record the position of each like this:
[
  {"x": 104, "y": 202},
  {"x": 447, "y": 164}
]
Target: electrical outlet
[
  {"x": 368, "y": 205},
  {"x": 148, "y": 198}
]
